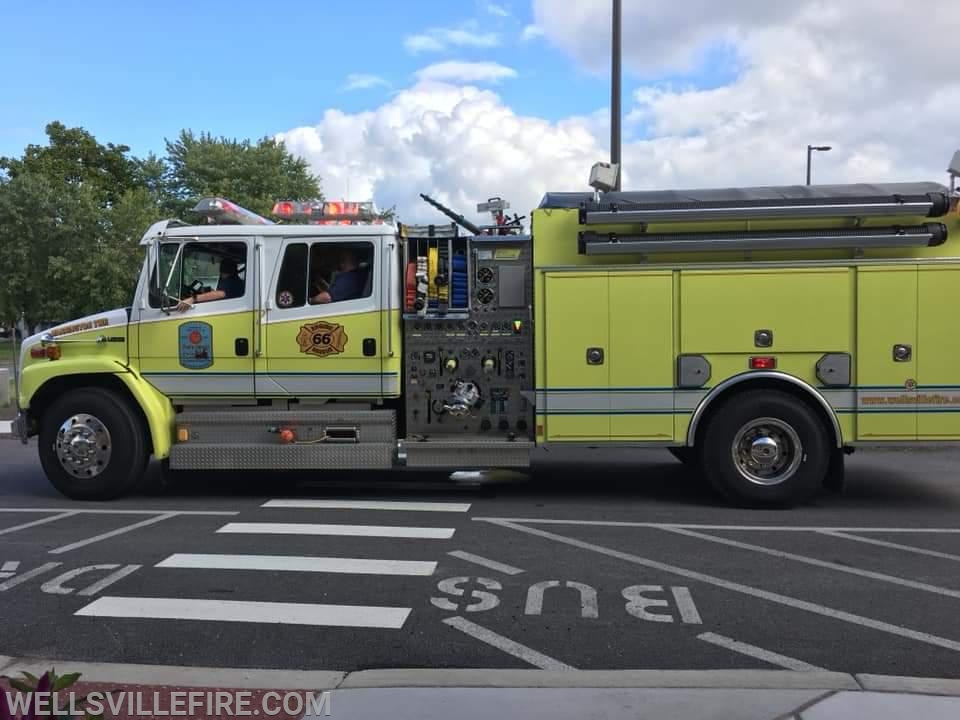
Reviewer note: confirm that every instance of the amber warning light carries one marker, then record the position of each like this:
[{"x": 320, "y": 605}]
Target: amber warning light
[{"x": 763, "y": 363}]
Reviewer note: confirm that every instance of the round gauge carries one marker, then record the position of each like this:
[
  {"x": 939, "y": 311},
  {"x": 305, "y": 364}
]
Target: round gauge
[
  {"x": 485, "y": 296},
  {"x": 485, "y": 275}
]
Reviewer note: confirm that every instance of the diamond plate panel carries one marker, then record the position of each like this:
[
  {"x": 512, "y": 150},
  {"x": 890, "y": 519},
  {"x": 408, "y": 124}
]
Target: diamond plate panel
[
  {"x": 200, "y": 456},
  {"x": 468, "y": 455}
]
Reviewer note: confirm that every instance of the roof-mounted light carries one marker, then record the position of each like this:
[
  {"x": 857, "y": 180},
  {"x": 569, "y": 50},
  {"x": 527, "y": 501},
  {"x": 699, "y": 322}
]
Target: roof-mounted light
[
  {"x": 218, "y": 211},
  {"x": 330, "y": 212}
]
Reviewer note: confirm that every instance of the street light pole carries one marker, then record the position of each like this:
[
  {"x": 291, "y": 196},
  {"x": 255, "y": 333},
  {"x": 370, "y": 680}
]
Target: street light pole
[
  {"x": 615, "y": 89},
  {"x": 810, "y": 151}
]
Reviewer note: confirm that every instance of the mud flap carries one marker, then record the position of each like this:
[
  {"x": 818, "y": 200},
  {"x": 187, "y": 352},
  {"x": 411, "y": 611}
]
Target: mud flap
[{"x": 836, "y": 472}]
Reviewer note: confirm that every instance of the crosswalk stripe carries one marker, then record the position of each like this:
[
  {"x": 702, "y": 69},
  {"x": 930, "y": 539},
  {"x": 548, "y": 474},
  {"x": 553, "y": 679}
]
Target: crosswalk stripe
[
  {"x": 311, "y": 504},
  {"x": 388, "y": 531},
  {"x": 280, "y": 613},
  {"x": 353, "y": 566}
]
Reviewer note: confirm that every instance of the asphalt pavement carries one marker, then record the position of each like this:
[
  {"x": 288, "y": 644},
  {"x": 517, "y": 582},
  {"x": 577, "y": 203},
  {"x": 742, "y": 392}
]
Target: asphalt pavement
[{"x": 597, "y": 560}]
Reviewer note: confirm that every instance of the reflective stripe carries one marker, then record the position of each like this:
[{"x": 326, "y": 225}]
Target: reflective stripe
[
  {"x": 202, "y": 383},
  {"x": 617, "y": 401}
]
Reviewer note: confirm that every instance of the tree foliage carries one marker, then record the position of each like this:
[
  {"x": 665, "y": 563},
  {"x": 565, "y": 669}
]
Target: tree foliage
[
  {"x": 72, "y": 211},
  {"x": 255, "y": 175}
]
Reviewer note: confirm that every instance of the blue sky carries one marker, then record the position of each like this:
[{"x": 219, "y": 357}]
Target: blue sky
[{"x": 136, "y": 72}]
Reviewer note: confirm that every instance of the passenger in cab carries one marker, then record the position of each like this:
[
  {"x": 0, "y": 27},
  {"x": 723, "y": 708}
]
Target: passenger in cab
[
  {"x": 230, "y": 285},
  {"x": 348, "y": 281}
]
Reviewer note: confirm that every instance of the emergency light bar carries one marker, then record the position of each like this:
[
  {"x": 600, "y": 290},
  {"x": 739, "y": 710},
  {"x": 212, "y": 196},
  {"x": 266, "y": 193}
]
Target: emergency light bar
[
  {"x": 318, "y": 212},
  {"x": 218, "y": 211},
  {"x": 927, "y": 235}
]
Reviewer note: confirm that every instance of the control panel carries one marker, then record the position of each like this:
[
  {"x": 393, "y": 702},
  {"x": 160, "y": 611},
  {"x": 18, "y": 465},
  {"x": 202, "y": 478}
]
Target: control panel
[{"x": 470, "y": 371}]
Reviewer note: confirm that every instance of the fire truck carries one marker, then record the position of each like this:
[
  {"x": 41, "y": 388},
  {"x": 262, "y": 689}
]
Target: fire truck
[{"x": 758, "y": 333}]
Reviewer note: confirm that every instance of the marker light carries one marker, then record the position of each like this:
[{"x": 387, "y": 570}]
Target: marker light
[
  {"x": 763, "y": 363},
  {"x": 51, "y": 352}
]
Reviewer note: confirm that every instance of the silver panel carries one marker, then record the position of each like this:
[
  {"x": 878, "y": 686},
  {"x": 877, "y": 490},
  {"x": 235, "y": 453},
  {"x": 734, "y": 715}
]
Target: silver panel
[
  {"x": 693, "y": 371},
  {"x": 264, "y": 456},
  {"x": 513, "y": 286},
  {"x": 468, "y": 455},
  {"x": 833, "y": 370},
  {"x": 234, "y": 427}
]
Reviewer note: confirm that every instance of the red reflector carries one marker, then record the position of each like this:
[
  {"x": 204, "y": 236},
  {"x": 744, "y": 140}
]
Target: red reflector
[
  {"x": 38, "y": 352},
  {"x": 763, "y": 363}
]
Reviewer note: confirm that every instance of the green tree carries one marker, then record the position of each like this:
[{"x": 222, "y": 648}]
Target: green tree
[
  {"x": 255, "y": 175},
  {"x": 74, "y": 158}
]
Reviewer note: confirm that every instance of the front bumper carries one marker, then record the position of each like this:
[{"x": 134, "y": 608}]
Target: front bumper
[{"x": 21, "y": 426}]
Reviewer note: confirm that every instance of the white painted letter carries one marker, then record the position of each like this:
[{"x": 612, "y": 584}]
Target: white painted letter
[
  {"x": 588, "y": 597},
  {"x": 18, "y": 579},
  {"x": 637, "y": 603},
  {"x": 56, "y": 586},
  {"x": 483, "y": 600}
]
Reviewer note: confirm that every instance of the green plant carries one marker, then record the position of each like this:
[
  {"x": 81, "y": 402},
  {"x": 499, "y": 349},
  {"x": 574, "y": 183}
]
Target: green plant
[{"x": 36, "y": 689}]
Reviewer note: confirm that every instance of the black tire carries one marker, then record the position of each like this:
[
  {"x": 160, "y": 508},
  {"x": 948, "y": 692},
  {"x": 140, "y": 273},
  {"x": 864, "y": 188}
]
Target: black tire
[
  {"x": 104, "y": 476},
  {"x": 795, "y": 464},
  {"x": 686, "y": 455}
]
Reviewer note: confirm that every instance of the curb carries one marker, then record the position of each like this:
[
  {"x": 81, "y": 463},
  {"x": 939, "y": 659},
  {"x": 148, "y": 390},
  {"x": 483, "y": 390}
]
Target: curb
[{"x": 273, "y": 679}]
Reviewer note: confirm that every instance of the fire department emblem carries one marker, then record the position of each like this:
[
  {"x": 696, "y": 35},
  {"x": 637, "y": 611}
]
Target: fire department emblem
[{"x": 322, "y": 339}]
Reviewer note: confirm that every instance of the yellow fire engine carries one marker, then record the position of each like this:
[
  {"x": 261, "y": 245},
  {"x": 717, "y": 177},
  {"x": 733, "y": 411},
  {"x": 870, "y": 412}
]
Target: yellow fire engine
[{"x": 757, "y": 333}]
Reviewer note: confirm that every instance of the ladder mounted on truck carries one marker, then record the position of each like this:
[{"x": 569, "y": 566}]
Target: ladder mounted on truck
[{"x": 693, "y": 212}]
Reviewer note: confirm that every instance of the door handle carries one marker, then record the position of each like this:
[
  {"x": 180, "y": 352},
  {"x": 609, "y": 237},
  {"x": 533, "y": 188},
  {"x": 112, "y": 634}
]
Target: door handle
[
  {"x": 902, "y": 353},
  {"x": 241, "y": 346},
  {"x": 594, "y": 356},
  {"x": 369, "y": 347}
]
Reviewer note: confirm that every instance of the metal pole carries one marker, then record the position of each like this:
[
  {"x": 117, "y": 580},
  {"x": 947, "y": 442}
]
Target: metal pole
[
  {"x": 809, "y": 155},
  {"x": 615, "y": 88}
]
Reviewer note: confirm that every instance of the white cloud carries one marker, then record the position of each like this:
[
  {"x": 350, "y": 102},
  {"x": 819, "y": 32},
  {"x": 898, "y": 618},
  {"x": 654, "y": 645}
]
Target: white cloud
[
  {"x": 438, "y": 39},
  {"x": 497, "y": 10},
  {"x": 363, "y": 81},
  {"x": 531, "y": 32},
  {"x": 881, "y": 96},
  {"x": 456, "y": 71}
]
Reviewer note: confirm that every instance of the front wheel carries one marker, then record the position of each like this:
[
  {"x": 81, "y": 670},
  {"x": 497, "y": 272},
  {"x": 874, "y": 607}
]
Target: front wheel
[
  {"x": 766, "y": 448},
  {"x": 91, "y": 445}
]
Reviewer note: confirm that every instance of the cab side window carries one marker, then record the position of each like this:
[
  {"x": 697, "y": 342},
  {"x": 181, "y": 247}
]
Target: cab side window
[
  {"x": 324, "y": 273},
  {"x": 204, "y": 271}
]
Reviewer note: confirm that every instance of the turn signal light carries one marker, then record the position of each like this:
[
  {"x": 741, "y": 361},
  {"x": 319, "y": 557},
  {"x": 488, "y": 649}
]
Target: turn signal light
[
  {"x": 183, "y": 434},
  {"x": 763, "y": 363}
]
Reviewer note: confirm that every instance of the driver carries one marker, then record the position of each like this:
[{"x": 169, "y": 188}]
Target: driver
[
  {"x": 348, "y": 282},
  {"x": 230, "y": 285}
]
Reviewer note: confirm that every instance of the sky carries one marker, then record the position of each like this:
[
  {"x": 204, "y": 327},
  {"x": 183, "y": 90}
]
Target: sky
[{"x": 473, "y": 99}]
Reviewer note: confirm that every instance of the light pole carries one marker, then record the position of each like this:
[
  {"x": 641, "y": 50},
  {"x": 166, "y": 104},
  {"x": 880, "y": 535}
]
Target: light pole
[
  {"x": 615, "y": 61},
  {"x": 810, "y": 150}
]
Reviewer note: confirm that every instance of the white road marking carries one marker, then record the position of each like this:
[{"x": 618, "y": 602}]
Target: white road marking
[
  {"x": 279, "y": 613},
  {"x": 10, "y": 566},
  {"x": 351, "y": 566},
  {"x": 891, "y": 545},
  {"x": 696, "y": 526},
  {"x": 109, "y": 580},
  {"x": 485, "y": 562},
  {"x": 265, "y": 528},
  {"x": 508, "y": 646},
  {"x": 368, "y": 505},
  {"x": 688, "y": 611},
  {"x": 6, "y": 427},
  {"x": 740, "y": 588},
  {"x": 41, "y": 521},
  {"x": 13, "y": 582},
  {"x": 759, "y": 653},
  {"x": 112, "y": 533},
  {"x": 882, "y": 577},
  {"x": 116, "y": 511}
]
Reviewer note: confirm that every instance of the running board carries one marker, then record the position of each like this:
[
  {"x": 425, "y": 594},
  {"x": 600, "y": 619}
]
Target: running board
[
  {"x": 927, "y": 235},
  {"x": 273, "y": 456},
  {"x": 467, "y": 454}
]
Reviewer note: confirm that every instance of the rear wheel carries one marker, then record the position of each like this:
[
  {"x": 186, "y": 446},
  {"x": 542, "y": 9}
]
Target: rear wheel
[
  {"x": 92, "y": 445},
  {"x": 766, "y": 448},
  {"x": 686, "y": 455}
]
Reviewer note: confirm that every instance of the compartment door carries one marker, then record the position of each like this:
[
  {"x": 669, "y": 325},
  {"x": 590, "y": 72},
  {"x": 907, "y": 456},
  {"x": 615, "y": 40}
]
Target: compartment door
[
  {"x": 641, "y": 356},
  {"x": 887, "y": 353},
  {"x": 576, "y": 398},
  {"x": 938, "y": 353}
]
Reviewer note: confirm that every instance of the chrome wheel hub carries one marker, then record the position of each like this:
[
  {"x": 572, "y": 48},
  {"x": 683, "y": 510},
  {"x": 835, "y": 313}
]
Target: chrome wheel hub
[
  {"x": 767, "y": 451},
  {"x": 83, "y": 446}
]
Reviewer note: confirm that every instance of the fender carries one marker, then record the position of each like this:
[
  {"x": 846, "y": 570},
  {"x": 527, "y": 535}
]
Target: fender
[
  {"x": 748, "y": 377},
  {"x": 156, "y": 407}
]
